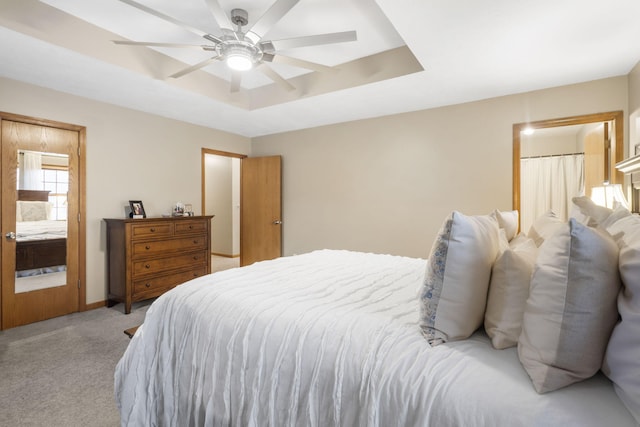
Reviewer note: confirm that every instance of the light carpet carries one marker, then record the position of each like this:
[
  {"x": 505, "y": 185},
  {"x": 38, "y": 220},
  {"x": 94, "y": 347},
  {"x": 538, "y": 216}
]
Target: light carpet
[{"x": 59, "y": 372}]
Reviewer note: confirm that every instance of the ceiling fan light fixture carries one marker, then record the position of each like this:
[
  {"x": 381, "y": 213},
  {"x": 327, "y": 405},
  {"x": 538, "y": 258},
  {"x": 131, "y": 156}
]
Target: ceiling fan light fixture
[
  {"x": 239, "y": 62},
  {"x": 240, "y": 56}
]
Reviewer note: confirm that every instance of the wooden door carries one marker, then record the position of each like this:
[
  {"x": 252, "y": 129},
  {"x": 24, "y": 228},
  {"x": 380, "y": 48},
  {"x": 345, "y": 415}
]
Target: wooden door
[
  {"x": 261, "y": 209},
  {"x": 27, "y": 301}
]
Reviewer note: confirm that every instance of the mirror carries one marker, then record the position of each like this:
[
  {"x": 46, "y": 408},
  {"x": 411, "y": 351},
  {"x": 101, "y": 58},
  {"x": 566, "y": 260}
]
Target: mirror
[
  {"x": 587, "y": 146},
  {"x": 41, "y": 220}
]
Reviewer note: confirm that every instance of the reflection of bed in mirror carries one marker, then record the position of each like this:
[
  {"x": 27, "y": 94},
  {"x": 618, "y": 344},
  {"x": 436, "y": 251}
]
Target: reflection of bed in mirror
[{"x": 41, "y": 243}]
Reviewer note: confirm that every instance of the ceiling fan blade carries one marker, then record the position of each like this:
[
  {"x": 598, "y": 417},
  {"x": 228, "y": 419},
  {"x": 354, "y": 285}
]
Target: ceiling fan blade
[
  {"x": 165, "y": 17},
  {"x": 277, "y": 78},
  {"x": 154, "y": 44},
  {"x": 281, "y": 59},
  {"x": 194, "y": 67},
  {"x": 219, "y": 16},
  {"x": 270, "y": 17},
  {"x": 318, "y": 39},
  {"x": 236, "y": 79}
]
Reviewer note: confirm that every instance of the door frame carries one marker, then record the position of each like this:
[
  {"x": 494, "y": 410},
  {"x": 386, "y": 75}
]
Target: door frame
[
  {"x": 82, "y": 229},
  {"x": 204, "y": 152}
]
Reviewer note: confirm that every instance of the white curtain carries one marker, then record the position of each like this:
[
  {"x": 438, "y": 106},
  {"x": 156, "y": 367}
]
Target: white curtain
[
  {"x": 549, "y": 183},
  {"x": 31, "y": 174}
]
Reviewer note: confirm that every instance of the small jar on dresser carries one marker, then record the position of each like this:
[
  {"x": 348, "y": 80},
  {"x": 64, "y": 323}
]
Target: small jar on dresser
[{"x": 149, "y": 256}]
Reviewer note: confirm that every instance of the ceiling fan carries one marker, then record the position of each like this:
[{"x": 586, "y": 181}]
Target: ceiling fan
[{"x": 243, "y": 50}]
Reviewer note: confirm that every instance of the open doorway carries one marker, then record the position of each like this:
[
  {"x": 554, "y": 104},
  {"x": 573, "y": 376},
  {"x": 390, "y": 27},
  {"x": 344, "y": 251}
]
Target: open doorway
[{"x": 221, "y": 198}]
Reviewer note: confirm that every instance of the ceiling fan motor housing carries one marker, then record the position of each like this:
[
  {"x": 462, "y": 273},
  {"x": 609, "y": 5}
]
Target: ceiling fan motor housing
[{"x": 240, "y": 17}]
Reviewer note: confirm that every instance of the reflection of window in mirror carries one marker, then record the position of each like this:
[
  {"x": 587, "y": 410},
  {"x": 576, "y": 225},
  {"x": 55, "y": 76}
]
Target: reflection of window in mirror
[
  {"x": 46, "y": 171},
  {"x": 57, "y": 182}
]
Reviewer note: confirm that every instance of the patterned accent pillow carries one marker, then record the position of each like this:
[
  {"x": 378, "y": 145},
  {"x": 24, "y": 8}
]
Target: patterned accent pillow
[
  {"x": 454, "y": 293},
  {"x": 434, "y": 279},
  {"x": 571, "y": 309},
  {"x": 34, "y": 211},
  {"x": 18, "y": 211}
]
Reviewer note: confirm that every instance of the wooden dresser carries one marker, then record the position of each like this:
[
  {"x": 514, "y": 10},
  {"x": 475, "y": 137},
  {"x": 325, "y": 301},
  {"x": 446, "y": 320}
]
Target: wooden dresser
[{"x": 147, "y": 257}]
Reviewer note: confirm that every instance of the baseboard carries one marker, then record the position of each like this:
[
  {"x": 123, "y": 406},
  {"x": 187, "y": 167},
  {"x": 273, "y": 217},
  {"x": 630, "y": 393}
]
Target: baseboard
[
  {"x": 95, "y": 305},
  {"x": 225, "y": 255}
]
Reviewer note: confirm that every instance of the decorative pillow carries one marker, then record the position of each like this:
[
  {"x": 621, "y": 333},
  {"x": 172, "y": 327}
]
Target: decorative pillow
[
  {"x": 508, "y": 292},
  {"x": 571, "y": 308},
  {"x": 617, "y": 214},
  {"x": 622, "y": 358},
  {"x": 508, "y": 221},
  {"x": 18, "y": 211},
  {"x": 34, "y": 211},
  {"x": 544, "y": 227},
  {"x": 586, "y": 209},
  {"x": 454, "y": 294}
]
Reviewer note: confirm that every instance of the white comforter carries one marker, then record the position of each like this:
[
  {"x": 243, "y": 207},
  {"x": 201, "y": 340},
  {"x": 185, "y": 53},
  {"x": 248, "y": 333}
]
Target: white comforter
[
  {"x": 40, "y": 230},
  {"x": 323, "y": 339}
]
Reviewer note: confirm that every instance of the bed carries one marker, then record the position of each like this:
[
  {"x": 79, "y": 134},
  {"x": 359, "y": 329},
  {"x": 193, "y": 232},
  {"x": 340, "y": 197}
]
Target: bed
[
  {"x": 40, "y": 242},
  {"x": 330, "y": 338}
]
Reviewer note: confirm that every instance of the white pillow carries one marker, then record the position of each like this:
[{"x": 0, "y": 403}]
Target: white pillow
[
  {"x": 571, "y": 308},
  {"x": 618, "y": 213},
  {"x": 454, "y": 294},
  {"x": 508, "y": 221},
  {"x": 544, "y": 227},
  {"x": 508, "y": 292},
  {"x": 34, "y": 210},
  {"x": 622, "y": 359},
  {"x": 584, "y": 209}
]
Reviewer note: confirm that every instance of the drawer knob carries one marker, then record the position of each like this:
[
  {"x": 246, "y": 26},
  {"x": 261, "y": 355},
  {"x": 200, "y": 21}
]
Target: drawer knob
[
  {"x": 195, "y": 257},
  {"x": 147, "y": 247},
  {"x": 195, "y": 241},
  {"x": 148, "y": 285},
  {"x": 153, "y": 230},
  {"x": 195, "y": 274},
  {"x": 147, "y": 266},
  {"x": 191, "y": 227}
]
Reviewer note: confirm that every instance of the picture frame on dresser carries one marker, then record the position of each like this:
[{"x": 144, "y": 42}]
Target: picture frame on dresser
[{"x": 137, "y": 209}]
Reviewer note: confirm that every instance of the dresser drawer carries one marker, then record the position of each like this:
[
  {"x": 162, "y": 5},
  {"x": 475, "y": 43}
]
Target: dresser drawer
[
  {"x": 147, "y": 230},
  {"x": 162, "y": 246},
  {"x": 189, "y": 227},
  {"x": 157, "y": 285},
  {"x": 152, "y": 266}
]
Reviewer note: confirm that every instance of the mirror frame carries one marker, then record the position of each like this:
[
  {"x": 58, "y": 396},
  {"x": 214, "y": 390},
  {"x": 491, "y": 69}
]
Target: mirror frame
[{"x": 617, "y": 145}]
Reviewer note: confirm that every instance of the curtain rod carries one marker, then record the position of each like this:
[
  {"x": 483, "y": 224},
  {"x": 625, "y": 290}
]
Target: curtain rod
[{"x": 552, "y": 155}]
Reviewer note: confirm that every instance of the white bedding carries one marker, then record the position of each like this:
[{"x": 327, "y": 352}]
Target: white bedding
[
  {"x": 329, "y": 338},
  {"x": 40, "y": 230}
]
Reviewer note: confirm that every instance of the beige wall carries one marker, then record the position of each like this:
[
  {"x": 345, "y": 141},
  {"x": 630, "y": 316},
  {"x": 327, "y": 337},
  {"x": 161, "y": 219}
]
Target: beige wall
[
  {"x": 222, "y": 183},
  {"x": 549, "y": 145},
  {"x": 378, "y": 185},
  {"x": 386, "y": 184},
  {"x": 130, "y": 155},
  {"x": 634, "y": 108}
]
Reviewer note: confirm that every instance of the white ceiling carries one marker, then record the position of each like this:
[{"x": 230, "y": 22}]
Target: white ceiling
[{"x": 466, "y": 50}]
